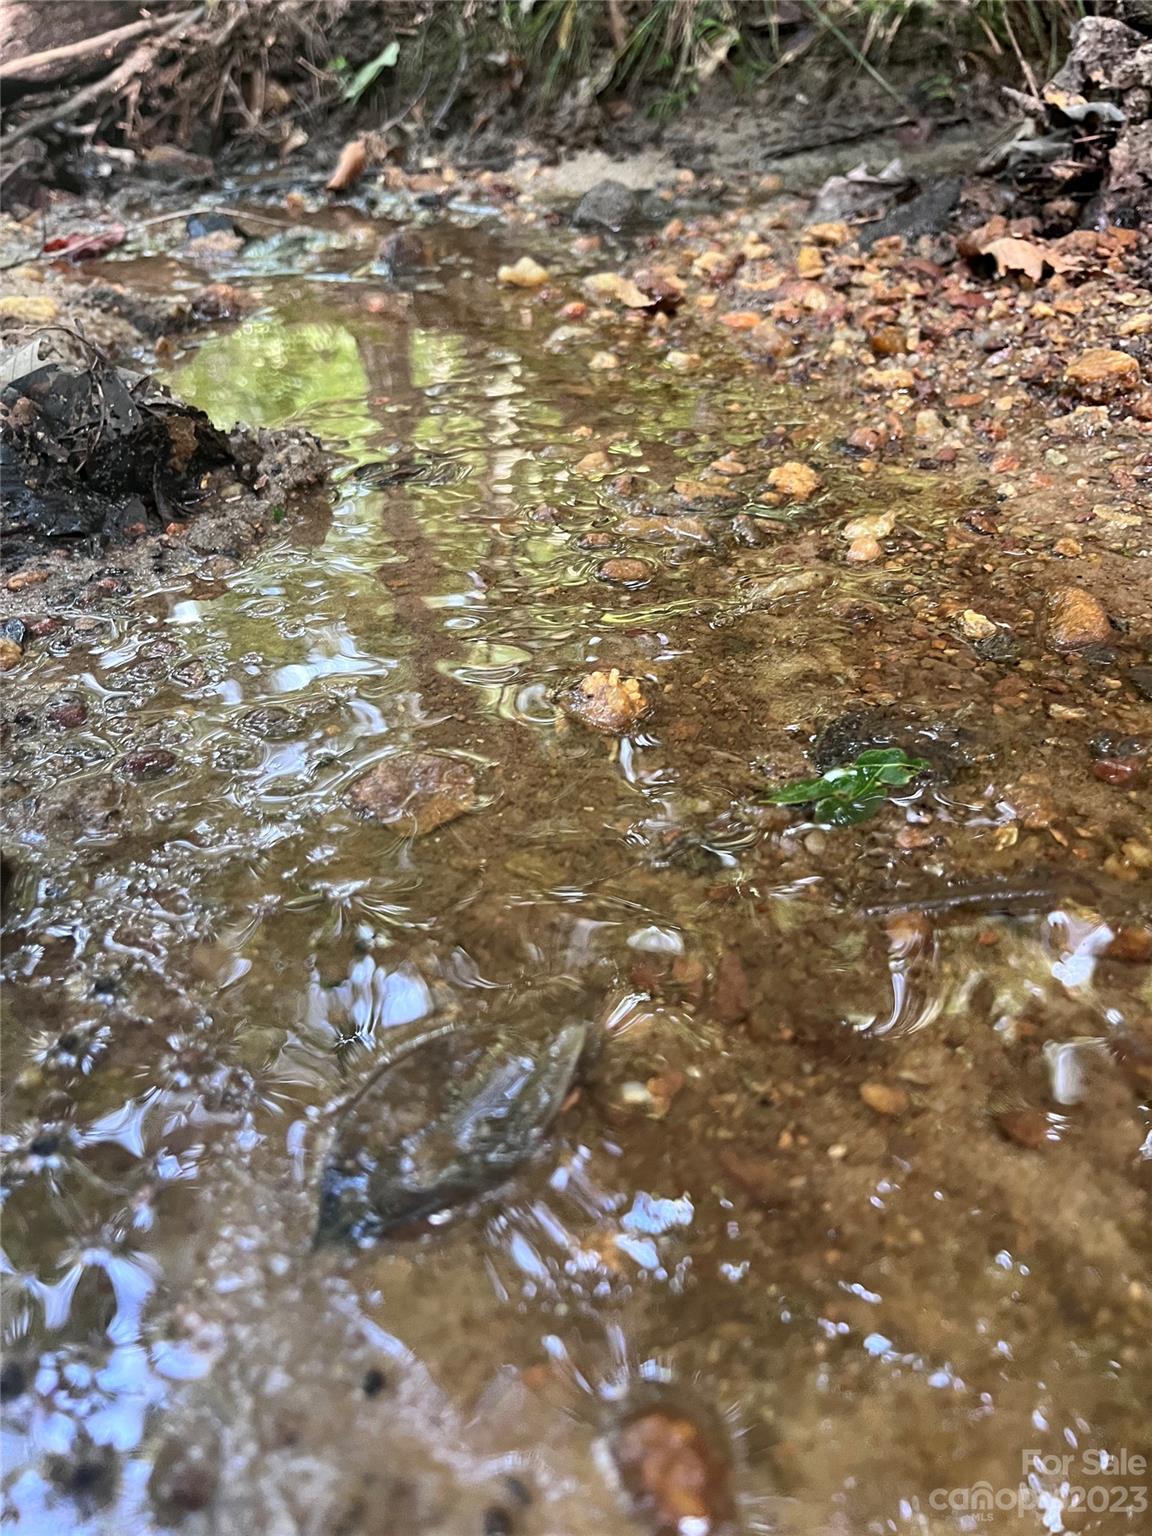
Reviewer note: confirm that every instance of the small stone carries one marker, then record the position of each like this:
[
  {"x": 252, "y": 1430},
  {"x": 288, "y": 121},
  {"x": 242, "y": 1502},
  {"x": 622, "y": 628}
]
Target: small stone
[
  {"x": 1131, "y": 944},
  {"x": 928, "y": 428},
  {"x": 675, "y": 1477},
  {"x": 524, "y": 273},
  {"x": 1075, "y": 619},
  {"x": 741, "y": 319},
  {"x": 23, "y": 579},
  {"x": 799, "y": 482},
  {"x": 1118, "y": 771},
  {"x": 977, "y": 626},
  {"x": 11, "y": 653},
  {"x": 417, "y": 790},
  {"x": 873, "y": 525},
  {"x": 884, "y": 1098},
  {"x": 727, "y": 465},
  {"x": 731, "y": 1000},
  {"x": 864, "y": 550},
  {"x": 66, "y": 714},
  {"x": 594, "y": 463},
  {"x": 1100, "y": 374},
  {"x": 868, "y": 440},
  {"x": 605, "y": 701},
  {"x": 149, "y": 763},
  {"x": 809, "y": 262},
  {"x": 607, "y": 205},
  {"x": 603, "y": 362},
  {"x": 888, "y": 378},
  {"x": 621, "y": 289},
  {"x": 888, "y": 341},
  {"x": 682, "y": 362},
  {"x": 831, "y": 232},
  {"x": 910, "y": 934},
  {"x": 1026, "y": 1127},
  {"x": 625, "y": 573},
  {"x": 689, "y": 530}
]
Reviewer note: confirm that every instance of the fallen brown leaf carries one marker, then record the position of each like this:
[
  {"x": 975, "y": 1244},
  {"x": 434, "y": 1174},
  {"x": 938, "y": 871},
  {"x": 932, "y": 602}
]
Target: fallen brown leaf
[{"x": 349, "y": 167}]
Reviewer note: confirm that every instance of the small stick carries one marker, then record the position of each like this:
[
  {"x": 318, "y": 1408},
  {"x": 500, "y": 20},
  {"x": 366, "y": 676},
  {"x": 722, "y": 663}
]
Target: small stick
[{"x": 25, "y": 68}]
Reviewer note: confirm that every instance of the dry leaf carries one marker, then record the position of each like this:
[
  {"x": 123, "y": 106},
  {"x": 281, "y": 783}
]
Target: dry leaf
[
  {"x": 1014, "y": 253},
  {"x": 349, "y": 167}
]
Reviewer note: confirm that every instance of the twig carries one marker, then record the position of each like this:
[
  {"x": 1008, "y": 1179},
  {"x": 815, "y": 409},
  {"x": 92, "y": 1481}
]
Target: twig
[
  {"x": 136, "y": 62},
  {"x": 231, "y": 213},
  {"x": 25, "y": 68},
  {"x": 1025, "y": 67},
  {"x": 461, "y": 69}
]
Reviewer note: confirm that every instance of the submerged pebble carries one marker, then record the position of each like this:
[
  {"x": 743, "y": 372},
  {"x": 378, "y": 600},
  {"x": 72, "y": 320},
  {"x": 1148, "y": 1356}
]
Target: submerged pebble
[
  {"x": 676, "y": 1477},
  {"x": 418, "y": 790}
]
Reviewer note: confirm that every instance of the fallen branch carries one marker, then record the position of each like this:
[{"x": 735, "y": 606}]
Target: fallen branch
[
  {"x": 135, "y": 64},
  {"x": 25, "y": 69}
]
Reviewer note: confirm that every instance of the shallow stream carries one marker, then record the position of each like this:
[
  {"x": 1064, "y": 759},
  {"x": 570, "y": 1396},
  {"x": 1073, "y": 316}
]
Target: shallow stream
[{"x": 853, "y": 1173}]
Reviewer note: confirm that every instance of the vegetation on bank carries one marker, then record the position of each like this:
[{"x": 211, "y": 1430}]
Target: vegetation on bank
[{"x": 269, "y": 71}]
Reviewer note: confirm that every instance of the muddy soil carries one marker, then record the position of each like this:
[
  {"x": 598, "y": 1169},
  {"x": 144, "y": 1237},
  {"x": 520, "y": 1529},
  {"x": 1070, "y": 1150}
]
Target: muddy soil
[{"x": 840, "y": 1222}]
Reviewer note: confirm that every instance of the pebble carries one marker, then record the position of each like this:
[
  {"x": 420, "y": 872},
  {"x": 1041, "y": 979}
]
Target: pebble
[
  {"x": 1100, "y": 374},
  {"x": 149, "y": 763},
  {"x": 1118, "y": 771},
  {"x": 884, "y": 1098},
  {"x": 1026, "y": 1127},
  {"x": 608, "y": 205},
  {"x": 625, "y": 573},
  {"x": 888, "y": 341},
  {"x": 864, "y": 550},
  {"x": 524, "y": 273},
  {"x": 977, "y": 626},
  {"x": 595, "y": 463},
  {"x": 1075, "y": 619},
  {"x": 66, "y": 714},
  {"x": 418, "y": 790},
  {"x": 605, "y": 701},
  {"x": 888, "y": 378},
  {"x": 799, "y": 482},
  {"x": 688, "y": 529},
  {"x": 676, "y": 1478},
  {"x": 10, "y": 654},
  {"x": 1131, "y": 944},
  {"x": 874, "y": 525}
]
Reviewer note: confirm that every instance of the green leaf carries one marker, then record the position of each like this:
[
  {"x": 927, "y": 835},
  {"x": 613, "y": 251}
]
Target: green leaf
[
  {"x": 852, "y": 792},
  {"x": 368, "y": 73},
  {"x": 799, "y": 793}
]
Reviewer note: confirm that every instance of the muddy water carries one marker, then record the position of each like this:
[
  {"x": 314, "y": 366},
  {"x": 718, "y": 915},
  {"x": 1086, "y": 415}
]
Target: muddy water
[{"x": 855, "y": 1178}]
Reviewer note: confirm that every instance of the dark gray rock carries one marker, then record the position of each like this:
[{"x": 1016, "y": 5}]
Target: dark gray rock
[{"x": 607, "y": 205}]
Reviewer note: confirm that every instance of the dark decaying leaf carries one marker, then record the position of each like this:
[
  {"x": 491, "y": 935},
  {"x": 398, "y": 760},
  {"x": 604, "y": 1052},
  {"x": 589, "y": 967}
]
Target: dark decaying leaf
[{"x": 447, "y": 1115}]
